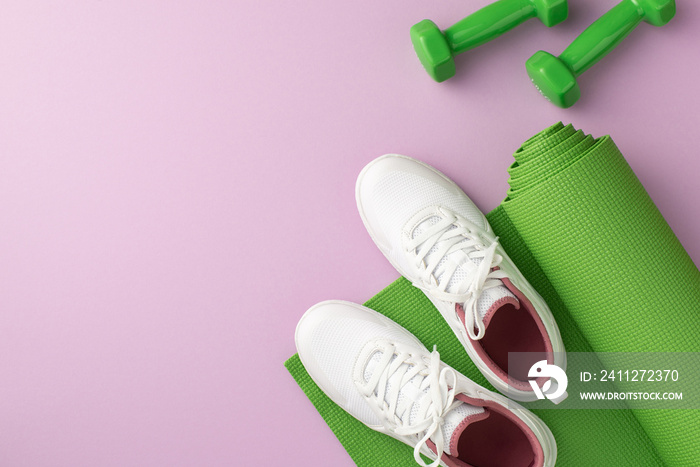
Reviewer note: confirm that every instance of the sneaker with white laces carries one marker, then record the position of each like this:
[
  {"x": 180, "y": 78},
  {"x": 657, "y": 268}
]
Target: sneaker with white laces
[
  {"x": 435, "y": 236},
  {"x": 382, "y": 375}
]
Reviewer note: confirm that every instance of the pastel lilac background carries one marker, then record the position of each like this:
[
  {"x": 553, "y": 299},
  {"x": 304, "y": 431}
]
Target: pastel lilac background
[{"x": 176, "y": 189}]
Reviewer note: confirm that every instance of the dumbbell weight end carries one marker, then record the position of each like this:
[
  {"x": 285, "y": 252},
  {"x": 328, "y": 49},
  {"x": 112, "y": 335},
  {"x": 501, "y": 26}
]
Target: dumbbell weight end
[
  {"x": 555, "y": 77},
  {"x": 433, "y": 50},
  {"x": 436, "y": 49}
]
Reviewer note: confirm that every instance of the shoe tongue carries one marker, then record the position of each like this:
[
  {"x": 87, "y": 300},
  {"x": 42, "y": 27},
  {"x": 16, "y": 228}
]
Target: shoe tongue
[
  {"x": 456, "y": 421},
  {"x": 491, "y": 299}
]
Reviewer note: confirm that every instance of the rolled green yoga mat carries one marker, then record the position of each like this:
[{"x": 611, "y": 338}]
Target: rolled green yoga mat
[{"x": 582, "y": 229}]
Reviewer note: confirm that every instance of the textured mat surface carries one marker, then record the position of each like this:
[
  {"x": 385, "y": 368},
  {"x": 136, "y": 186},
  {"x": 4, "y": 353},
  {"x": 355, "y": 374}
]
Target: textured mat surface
[{"x": 582, "y": 229}]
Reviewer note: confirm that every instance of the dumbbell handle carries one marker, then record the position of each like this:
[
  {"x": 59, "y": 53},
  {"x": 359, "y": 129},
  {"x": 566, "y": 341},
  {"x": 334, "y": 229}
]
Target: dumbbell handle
[
  {"x": 601, "y": 37},
  {"x": 488, "y": 23}
]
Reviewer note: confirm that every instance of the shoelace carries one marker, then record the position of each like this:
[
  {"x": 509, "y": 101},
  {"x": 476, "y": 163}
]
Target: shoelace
[
  {"x": 398, "y": 368},
  {"x": 456, "y": 234}
]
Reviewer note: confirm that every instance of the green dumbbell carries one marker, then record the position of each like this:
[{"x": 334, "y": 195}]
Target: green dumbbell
[
  {"x": 555, "y": 77},
  {"x": 436, "y": 50}
]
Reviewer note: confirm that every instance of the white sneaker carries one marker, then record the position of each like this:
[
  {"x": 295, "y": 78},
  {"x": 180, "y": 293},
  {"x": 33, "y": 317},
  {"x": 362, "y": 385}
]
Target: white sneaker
[
  {"x": 383, "y": 376},
  {"x": 438, "y": 239}
]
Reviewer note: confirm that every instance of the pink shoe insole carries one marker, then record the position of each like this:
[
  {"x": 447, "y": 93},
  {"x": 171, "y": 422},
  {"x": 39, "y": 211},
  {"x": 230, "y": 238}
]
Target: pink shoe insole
[
  {"x": 495, "y": 442},
  {"x": 513, "y": 330}
]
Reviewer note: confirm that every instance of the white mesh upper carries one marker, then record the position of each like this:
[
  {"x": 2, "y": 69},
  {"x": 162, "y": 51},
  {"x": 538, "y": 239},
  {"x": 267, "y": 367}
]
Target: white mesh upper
[
  {"x": 454, "y": 418},
  {"x": 335, "y": 345},
  {"x": 491, "y": 296},
  {"x": 392, "y": 190},
  {"x": 451, "y": 420},
  {"x": 488, "y": 296},
  {"x": 371, "y": 364},
  {"x": 397, "y": 196}
]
